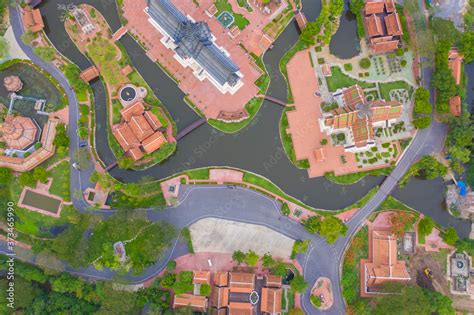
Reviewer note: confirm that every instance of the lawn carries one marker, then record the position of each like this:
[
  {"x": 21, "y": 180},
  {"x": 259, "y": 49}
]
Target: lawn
[
  {"x": 385, "y": 88},
  {"x": 116, "y": 116},
  {"x": 239, "y": 19},
  {"x": 339, "y": 80},
  {"x": 61, "y": 186},
  {"x": 287, "y": 142},
  {"x": 391, "y": 203},
  {"x": 200, "y": 173},
  {"x": 353, "y": 178}
]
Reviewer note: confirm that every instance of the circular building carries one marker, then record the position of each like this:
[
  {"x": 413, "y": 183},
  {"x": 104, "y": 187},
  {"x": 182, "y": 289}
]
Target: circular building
[
  {"x": 18, "y": 132},
  {"x": 12, "y": 83},
  {"x": 129, "y": 94}
]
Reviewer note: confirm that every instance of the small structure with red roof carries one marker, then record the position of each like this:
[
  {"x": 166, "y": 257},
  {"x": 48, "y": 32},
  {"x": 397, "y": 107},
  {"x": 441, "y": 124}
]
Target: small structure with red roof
[
  {"x": 455, "y": 65},
  {"x": 32, "y": 20}
]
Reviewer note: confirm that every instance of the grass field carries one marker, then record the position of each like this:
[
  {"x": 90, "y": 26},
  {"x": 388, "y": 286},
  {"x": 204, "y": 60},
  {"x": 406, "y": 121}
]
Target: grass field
[
  {"x": 353, "y": 178},
  {"x": 252, "y": 107},
  {"x": 239, "y": 19},
  {"x": 339, "y": 80},
  {"x": 60, "y": 186},
  {"x": 385, "y": 88}
]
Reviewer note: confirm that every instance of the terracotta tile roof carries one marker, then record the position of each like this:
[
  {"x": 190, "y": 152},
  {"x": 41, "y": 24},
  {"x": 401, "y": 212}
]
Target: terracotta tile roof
[
  {"x": 301, "y": 20},
  {"x": 132, "y": 110},
  {"x": 271, "y": 301},
  {"x": 273, "y": 281},
  {"x": 126, "y": 137},
  {"x": 126, "y": 70},
  {"x": 239, "y": 308},
  {"x": 320, "y": 155},
  {"x": 220, "y": 297},
  {"x": 241, "y": 282},
  {"x": 326, "y": 70},
  {"x": 392, "y": 22},
  {"x": 89, "y": 74},
  {"x": 221, "y": 278},
  {"x": 455, "y": 62},
  {"x": 135, "y": 153},
  {"x": 140, "y": 127},
  {"x": 196, "y": 302},
  {"x": 202, "y": 277},
  {"x": 353, "y": 95},
  {"x": 374, "y": 6},
  {"x": 390, "y": 6},
  {"x": 383, "y": 264},
  {"x": 152, "y": 120},
  {"x": 153, "y": 142},
  {"x": 32, "y": 19},
  {"x": 455, "y": 106},
  {"x": 373, "y": 24},
  {"x": 18, "y": 132},
  {"x": 384, "y": 46}
]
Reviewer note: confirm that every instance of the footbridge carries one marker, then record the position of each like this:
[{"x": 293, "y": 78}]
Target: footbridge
[
  {"x": 274, "y": 100},
  {"x": 188, "y": 129}
]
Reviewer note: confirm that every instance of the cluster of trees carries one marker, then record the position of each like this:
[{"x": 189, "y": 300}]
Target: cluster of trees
[
  {"x": 412, "y": 299},
  {"x": 459, "y": 140},
  {"x": 40, "y": 292},
  {"x": 180, "y": 283},
  {"x": 47, "y": 54},
  {"x": 428, "y": 167},
  {"x": 146, "y": 241},
  {"x": 61, "y": 141},
  {"x": 401, "y": 222},
  {"x": 425, "y": 226},
  {"x": 329, "y": 227},
  {"x": 325, "y": 24},
  {"x": 356, "y": 7},
  {"x": 422, "y": 109},
  {"x": 443, "y": 80},
  {"x": 72, "y": 72},
  {"x": 450, "y": 236}
]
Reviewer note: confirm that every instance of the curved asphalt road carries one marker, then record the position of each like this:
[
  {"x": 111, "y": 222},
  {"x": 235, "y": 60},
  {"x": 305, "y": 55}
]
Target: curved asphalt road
[{"x": 197, "y": 202}]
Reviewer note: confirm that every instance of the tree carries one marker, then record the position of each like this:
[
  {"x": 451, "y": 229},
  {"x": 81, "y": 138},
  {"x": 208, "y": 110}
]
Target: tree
[
  {"x": 315, "y": 300},
  {"x": 72, "y": 72},
  {"x": 365, "y": 63},
  {"x": 61, "y": 139},
  {"x": 331, "y": 227},
  {"x": 171, "y": 265},
  {"x": 82, "y": 132},
  {"x": 168, "y": 280},
  {"x": 116, "y": 301},
  {"x": 125, "y": 162},
  {"x": 267, "y": 260},
  {"x": 422, "y": 101},
  {"x": 467, "y": 46},
  {"x": 205, "y": 289},
  {"x": 28, "y": 37},
  {"x": 450, "y": 236},
  {"x": 45, "y": 53},
  {"x": 184, "y": 282},
  {"x": 251, "y": 258},
  {"x": 422, "y": 123},
  {"x": 27, "y": 179},
  {"x": 401, "y": 222},
  {"x": 40, "y": 174},
  {"x": 425, "y": 226},
  {"x": 5, "y": 175},
  {"x": 298, "y": 284},
  {"x": 312, "y": 224},
  {"x": 238, "y": 256}
]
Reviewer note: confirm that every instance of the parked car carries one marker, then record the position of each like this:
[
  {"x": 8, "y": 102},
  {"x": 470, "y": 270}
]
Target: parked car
[{"x": 82, "y": 144}]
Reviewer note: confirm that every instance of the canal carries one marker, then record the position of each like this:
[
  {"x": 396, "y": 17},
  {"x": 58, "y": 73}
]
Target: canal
[{"x": 257, "y": 148}]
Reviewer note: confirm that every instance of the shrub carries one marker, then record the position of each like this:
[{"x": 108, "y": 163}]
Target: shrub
[
  {"x": 399, "y": 52},
  {"x": 205, "y": 289},
  {"x": 171, "y": 265},
  {"x": 320, "y": 61},
  {"x": 365, "y": 63},
  {"x": 315, "y": 300},
  {"x": 385, "y": 145},
  {"x": 324, "y": 141},
  {"x": 348, "y": 66},
  {"x": 285, "y": 210},
  {"x": 341, "y": 137},
  {"x": 403, "y": 63}
]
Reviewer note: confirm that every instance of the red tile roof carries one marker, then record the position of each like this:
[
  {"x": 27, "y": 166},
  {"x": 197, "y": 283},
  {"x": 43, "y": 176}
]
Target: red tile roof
[
  {"x": 196, "y": 302},
  {"x": 390, "y": 6},
  {"x": 374, "y": 6},
  {"x": 326, "y": 70},
  {"x": 353, "y": 95},
  {"x": 384, "y": 44},
  {"x": 202, "y": 277},
  {"x": 383, "y": 264},
  {"x": 126, "y": 137},
  {"x": 455, "y": 106},
  {"x": 152, "y": 120},
  {"x": 392, "y": 22},
  {"x": 241, "y": 282},
  {"x": 220, "y": 297},
  {"x": 374, "y": 25},
  {"x": 455, "y": 62},
  {"x": 135, "y": 153},
  {"x": 239, "y": 308},
  {"x": 18, "y": 132},
  {"x": 140, "y": 127},
  {"x": 153, "y": 142},
  {"x": 132, "y": 110},
  {"x": 221, "y": 278},
  {"x": 319, "y": 155},
  {"x": 271, "y": 300},
  {"x": 273, "y": 281},
  {"x": 32, "y": 19}
]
